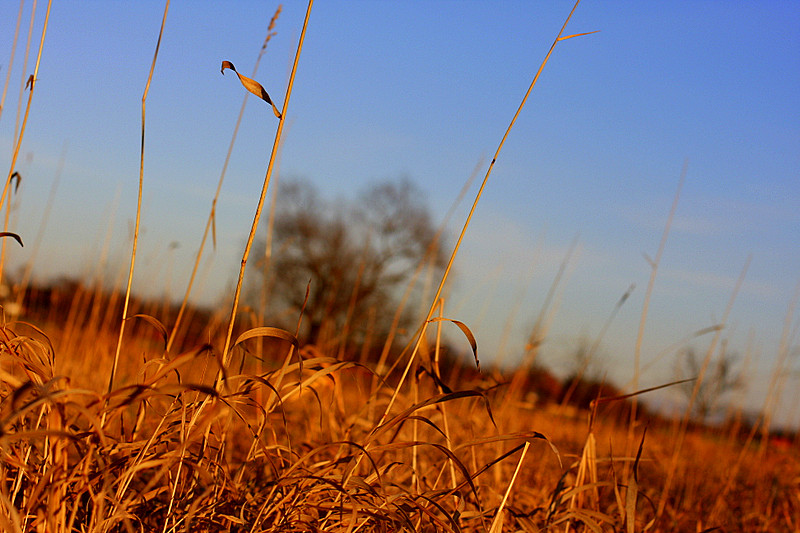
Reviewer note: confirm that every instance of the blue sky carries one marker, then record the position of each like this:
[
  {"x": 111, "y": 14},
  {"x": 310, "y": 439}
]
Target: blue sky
[{"x": 426, "y": 90}]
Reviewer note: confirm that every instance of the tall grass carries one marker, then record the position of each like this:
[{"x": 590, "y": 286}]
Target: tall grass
[
  {"x": 241, "y": 427},
  {"x": 138, "y": 203}
]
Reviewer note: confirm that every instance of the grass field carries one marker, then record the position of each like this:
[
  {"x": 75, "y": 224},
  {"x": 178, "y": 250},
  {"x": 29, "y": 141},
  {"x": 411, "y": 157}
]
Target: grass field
[
  {"x": 121, "y": 414},
  {"x": 275, "y": 447}
]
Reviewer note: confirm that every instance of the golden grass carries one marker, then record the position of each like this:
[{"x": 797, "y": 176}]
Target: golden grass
[
  {"x": 295, "y": 450},
  {"x": 199, "y": 431}
]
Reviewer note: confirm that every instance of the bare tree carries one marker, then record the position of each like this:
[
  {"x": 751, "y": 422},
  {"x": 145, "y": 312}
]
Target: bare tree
[
  {"x": 352, "y": 256},
  {"x": 721, "y": 378}
]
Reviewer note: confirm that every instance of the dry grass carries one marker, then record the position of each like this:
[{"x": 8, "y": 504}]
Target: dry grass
[
  {"x": 294, "y": 450},
  {"x": 261, "y": 433}
]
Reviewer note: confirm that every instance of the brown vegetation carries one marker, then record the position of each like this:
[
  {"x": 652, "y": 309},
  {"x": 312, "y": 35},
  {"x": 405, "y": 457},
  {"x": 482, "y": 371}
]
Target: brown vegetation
[
  {"x": 179, "y": 419},
  {"x": 292, "y": 443}
]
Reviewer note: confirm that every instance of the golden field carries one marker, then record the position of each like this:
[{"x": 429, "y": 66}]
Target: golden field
[{"x": 128, "y": 414}]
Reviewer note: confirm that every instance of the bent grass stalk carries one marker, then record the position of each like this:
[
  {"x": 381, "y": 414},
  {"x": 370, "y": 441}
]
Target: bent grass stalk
[
  {"x": 212, "y": 213},
  {"x": 423, "y": 328},
  {"x": 32, "y": 83},
  {"x": 420, "y": 335},
  {"x": 637, "y": 357},
  {"x": 220, "y": 378},
  {"x": 138, "y": 207},
  {"x": 275, "y": 145},
  {"x": 11, "y": 58},
  {"x": 430, "y": 254},
  {"x": 696, "y": 390}
]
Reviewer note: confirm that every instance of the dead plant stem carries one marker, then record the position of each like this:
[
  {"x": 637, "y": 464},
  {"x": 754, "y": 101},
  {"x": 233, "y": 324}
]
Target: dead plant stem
[
  {"x": 32, "y": 82},
  {"x": 212, "y": 214},
  {"x": 138, "y": 207},
  {"x": 275, "y": 145},
  {"x": 421, "y": 334},
  {"x": 637, "y": 356}
]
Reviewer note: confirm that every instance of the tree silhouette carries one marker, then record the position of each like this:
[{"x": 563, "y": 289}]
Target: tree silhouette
[
  {"x": 353, "y": 256},
  {"x": 721, "y": 378}
]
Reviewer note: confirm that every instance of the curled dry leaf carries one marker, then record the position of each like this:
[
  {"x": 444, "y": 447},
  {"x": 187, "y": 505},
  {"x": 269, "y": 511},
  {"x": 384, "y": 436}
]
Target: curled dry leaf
[
  {"x": 153, "y": 321},
  {"x": 470, "y": 337},
  {"x": 252, "y": 86},
  {"x": 266, "y": 331},
  {"x": 16, "y": 176},
  {"x": 13, "y": 235}
]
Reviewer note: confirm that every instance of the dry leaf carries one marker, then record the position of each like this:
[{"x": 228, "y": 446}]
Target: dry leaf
[
  {"x": 577, "y": 35},
  {"x": 153, "y": 321},
  {"x": 266, "y": 331},
  {"x": 470, "y": 337},
  {"x": 12, "y": 235},
  {"x": 252, "y": 86},
  {"x": 18, "y": 178}
]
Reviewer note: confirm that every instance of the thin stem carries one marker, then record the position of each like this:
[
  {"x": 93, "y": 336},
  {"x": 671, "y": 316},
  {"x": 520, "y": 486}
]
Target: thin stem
[
  {"x": 138, "y": 208},
  {"x": 698, "y": 383},
  {"x": 275, "y": 145},
  {"x": 212, "y": 213},
  {"x": 498, "y": 520},
  {"x": 643, "y": 320},
  {"x": 11, "y": 59},
  {"x": 32, "y": 82},
  {"x": 421, "y": 334}
]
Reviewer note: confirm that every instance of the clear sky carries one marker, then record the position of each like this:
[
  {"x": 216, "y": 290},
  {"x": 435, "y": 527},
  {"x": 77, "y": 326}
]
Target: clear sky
[{"x": 425, "y": 90}]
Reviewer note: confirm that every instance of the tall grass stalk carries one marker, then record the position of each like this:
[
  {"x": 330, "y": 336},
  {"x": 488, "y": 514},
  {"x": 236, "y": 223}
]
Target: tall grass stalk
[
  {"x": 266, "y": 287},
  {"x": 443, "y": 406},
  {"x": 430, "y": 254},
  {"x": 497, "y": 522},
  {"x": 450, "y": 262},
  {"x": 22, "y": 78},
  {"x": 226, "y": 356},
  {"x": 31, "y": 83},
  {"x": 11, "y": 58},
  {"x": 637, "y": 356},
  {"x": 138, "y": 205},
  {"x": 695, "y": 391},
  {"x": 212, "y": 214}
]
